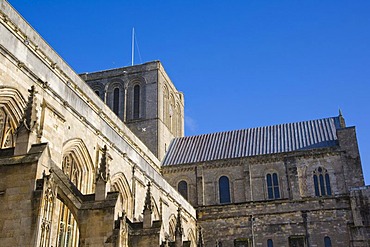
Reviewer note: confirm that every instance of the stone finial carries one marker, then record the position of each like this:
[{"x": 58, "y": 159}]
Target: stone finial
[
  {"x": 148, "y": 208},
  {"x": 200, "y": 238},
  {"x": 29, "y": 119},
  {"x": 25, "y": 133},
  {"x": 102, "y": 177},
  {"x": 342, "y": 122},
  {"x": 103, "y": 172},
  {"x": 178, "y": 222},
  {"x": 178, "y": 229}
]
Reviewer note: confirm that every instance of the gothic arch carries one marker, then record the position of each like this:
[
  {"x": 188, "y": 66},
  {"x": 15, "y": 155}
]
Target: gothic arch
[
  {"x": 76, "y": 149},
  {"x": 119, "y": 183},
  {"x": 172, "y": 227},
  {"x": 12, "y": 105},
  {"x": 191, "y": 237}
]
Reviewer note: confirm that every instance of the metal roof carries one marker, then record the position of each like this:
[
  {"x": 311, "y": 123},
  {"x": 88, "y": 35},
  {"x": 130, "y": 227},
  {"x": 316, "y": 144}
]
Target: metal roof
[{"x": 254, "y": 141}]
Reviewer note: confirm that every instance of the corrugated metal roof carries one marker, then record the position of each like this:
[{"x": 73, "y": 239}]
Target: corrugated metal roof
[{"x": 254, "y": 141}]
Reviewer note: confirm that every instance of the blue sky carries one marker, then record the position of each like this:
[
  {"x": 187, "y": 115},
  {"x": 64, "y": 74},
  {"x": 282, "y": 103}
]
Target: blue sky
[{"x": 240, "y": 64}]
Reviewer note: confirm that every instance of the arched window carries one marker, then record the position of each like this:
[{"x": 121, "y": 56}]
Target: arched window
[
  {"x": 68, "y": 233},
  {"x": 321, "y": 182},
  {"x": 270, "y": 243},
  {"x": 136, "y": 102},
  {"x": 224, "y": 189},
  {"x": 327, "y": 241},
  {"x": 6, "y": 130},
  {"x": 97, "y": 92},
  {"x": 182, "y": 188},
  {"x": 116, "y": 101},
  {"x": 273, "y": 191}
]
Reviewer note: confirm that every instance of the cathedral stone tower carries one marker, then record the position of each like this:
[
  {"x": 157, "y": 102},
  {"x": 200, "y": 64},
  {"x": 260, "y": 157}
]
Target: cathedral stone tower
[{"x": 145, "y": 99}]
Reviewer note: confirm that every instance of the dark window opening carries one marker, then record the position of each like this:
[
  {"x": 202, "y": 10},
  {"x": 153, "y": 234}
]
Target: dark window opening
[
  {"x": 224, "y": 189},
  {"x": 116, "y": 101},
  {"x": 136, "y": 102},
  {"x": 182, "y": 188}
]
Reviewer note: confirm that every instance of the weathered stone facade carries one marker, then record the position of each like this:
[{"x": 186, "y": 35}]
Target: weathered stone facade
[
  {"x": 99, "y": 159},
  {"x": 72, "y": 173},
  {"x": 252, "y": 218}
]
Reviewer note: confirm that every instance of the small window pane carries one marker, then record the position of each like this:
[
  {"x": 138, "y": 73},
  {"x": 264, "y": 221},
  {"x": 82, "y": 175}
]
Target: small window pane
[{"x": 322, "y": 185}]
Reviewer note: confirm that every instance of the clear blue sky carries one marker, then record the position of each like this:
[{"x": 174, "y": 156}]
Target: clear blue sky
[{"x": 241, "y": 64}]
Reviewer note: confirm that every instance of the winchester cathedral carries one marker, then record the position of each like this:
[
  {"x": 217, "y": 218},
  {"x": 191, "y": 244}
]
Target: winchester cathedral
[{"x": 100, "y": 159}]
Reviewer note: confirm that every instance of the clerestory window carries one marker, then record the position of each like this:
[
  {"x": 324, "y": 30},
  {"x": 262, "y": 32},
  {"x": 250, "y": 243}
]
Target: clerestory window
[
  {"x": 182, "y": 188},
  {"x": 272, "y": 181},
  {"x": 224, "y": 189}
]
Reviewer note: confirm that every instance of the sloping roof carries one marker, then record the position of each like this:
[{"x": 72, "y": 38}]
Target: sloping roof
[{"x": 254, "y": 141}]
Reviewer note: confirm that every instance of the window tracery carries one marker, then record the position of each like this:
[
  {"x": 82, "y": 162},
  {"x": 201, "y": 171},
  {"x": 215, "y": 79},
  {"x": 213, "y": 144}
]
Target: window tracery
[
  {"x": 7, "y": 130},
  {"x": 321, "y": 181}
]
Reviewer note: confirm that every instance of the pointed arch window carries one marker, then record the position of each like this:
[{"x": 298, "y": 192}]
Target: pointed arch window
[
  {"x": 7, "y": 130},
  {"x": 273, "y": 191},
  {"x": 116, "y": 101},
  {"x": 182, "y": 188},
  {"x": 224, "y": 189},
  {"x": 321, "y": 180},
  {"x": 136, "y": 114},
  {"x": 68, "y": 233}
]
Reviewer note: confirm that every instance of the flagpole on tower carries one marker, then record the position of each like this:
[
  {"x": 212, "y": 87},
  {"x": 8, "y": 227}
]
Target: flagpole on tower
[{"x": 133, "y": 47}]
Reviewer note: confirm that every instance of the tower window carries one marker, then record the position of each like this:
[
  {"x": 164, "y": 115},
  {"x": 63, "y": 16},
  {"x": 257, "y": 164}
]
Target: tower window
[
  {"x": 273, "y": 191},
  {"x": 116, "y": 101},
  {"x": 136, "y": 102},
  {"x": 182, "y": 188},
  {"x": 321, "y": 182},
  {"x": 327, "y": 241},
  {"x": 224, "y": 189}
]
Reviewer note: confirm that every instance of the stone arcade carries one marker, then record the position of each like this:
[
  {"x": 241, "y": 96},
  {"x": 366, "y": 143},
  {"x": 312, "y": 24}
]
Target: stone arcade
[{"x": 100, "y": 159}]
